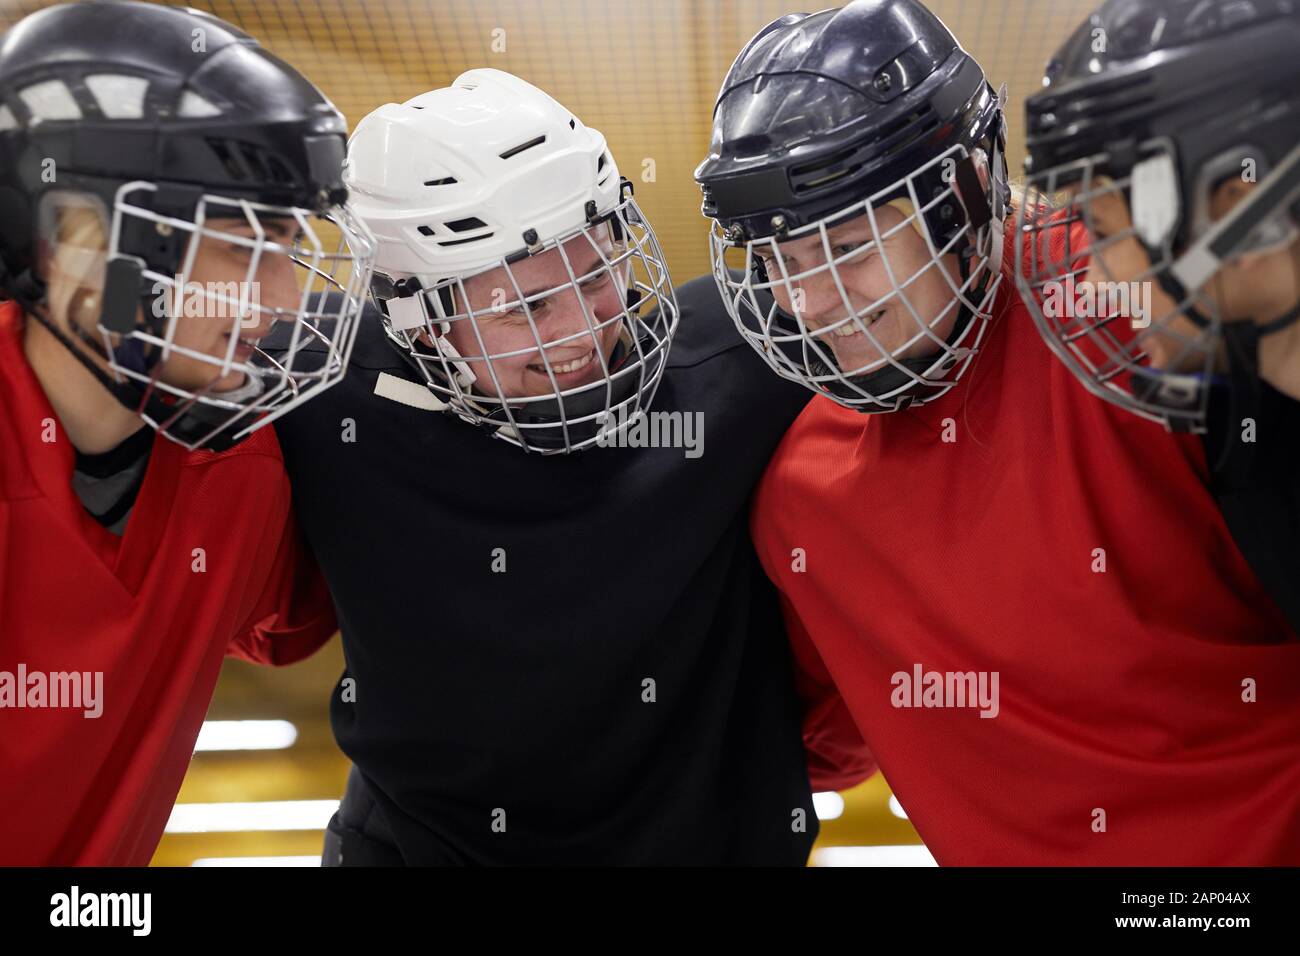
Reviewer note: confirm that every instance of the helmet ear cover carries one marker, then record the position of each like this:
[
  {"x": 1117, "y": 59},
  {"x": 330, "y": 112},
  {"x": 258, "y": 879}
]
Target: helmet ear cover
[
  {"x": 123, "y": 280},
  {"x": 971, "y": 186}
]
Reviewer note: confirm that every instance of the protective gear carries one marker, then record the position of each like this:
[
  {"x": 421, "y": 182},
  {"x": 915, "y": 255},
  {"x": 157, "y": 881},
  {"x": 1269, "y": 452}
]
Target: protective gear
[
  {"x": 476, "y": 182},
  {"x": 159, "y": 127},
  {"x": 827, "y": 118},
  {"x": 1160, "y": 102}
]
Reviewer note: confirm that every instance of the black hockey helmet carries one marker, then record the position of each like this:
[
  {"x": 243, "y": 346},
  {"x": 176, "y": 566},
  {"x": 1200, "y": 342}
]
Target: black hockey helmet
[
  {"x": 1162, "y": 101},
  {"x": 826, "y": 115},
  {"x": 164, "y": 119}
]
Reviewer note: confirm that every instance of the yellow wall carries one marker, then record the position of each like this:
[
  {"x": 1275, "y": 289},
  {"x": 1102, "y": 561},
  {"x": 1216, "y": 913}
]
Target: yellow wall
[{"x": 644, "y": 73}]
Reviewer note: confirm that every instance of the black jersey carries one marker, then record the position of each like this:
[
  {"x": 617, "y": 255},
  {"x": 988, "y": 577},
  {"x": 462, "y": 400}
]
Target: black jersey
[
  {"x": 1253, "y": 449},
  {"x": 565, "y": 659}
]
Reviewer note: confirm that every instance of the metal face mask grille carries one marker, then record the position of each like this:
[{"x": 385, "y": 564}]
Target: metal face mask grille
[
  {"x": 217, "y": 325},
  {"x": 1098, "y": 284},
  {"x": 928, "y": 349},
  {"x": 554, "y": 349}
]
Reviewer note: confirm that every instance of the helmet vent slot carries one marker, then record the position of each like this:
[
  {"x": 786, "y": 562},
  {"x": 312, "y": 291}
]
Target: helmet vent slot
[
  {"x": 516, "y": 150},
  {"x": 465, "y": 225},
  {"x": 232, "y": 166}
]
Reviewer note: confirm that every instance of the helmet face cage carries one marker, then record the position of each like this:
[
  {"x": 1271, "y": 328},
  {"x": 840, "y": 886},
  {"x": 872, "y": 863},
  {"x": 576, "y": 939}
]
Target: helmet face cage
[
  {"x": 626, "y": 292},
  {"x": 272, "y": 385},
  {"x": 803, "y": 354},
  {"x": 1091, "y": 325}
]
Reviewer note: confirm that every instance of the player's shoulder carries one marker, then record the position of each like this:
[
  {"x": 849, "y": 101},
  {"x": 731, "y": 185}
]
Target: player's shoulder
[
  {"x": 710, "y": 359},
  {"x": 373, "y": 349},
  {"x": 705, "y": 330},
  {"x": 261, "y": 445}
]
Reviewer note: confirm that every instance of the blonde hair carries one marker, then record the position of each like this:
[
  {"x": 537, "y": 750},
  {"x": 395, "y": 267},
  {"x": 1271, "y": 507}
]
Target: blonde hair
[{"x": 76, "y": 263}]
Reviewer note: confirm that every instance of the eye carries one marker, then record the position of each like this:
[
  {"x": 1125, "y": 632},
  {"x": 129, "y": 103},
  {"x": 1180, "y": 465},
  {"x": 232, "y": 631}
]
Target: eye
[
  {"x": 842, "y": 249},
  {"x": 519, "y": 314},
  {"x": 597, "y": 281}
]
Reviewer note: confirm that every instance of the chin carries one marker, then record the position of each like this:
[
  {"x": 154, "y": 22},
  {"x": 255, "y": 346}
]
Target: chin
[
  {"x": 851, "y": 360},
  {"x": 231, "y": 382}
]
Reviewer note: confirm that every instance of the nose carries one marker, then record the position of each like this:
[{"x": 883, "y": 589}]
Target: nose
[
  {"x": 568, "y": 325},
  {"x": 277, "y": 280},
  {"x": 820, "y": 302}
]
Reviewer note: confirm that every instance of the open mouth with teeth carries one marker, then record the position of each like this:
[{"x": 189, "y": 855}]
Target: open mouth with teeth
[
  {"x": 571, "y": 369},
  {"x": 851, "y": 328}
]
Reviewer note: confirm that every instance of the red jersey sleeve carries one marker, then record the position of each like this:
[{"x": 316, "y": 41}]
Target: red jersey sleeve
[
  {"x": 837, "y": 756},
  {"x": 294, "y": 615}
]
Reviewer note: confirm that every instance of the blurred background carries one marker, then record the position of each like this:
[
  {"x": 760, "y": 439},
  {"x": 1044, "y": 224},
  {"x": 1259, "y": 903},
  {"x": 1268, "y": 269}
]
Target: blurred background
[{"x": 267, "y": 776}]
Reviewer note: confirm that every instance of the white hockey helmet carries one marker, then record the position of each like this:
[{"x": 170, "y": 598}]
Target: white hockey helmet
[{"x": 478, "y": 177}]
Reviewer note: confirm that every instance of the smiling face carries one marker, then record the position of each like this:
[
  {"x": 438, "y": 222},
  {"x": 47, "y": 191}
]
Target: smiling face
[
  {"x": 577, "y": 323},
  {"x": 897, "y": 310}
]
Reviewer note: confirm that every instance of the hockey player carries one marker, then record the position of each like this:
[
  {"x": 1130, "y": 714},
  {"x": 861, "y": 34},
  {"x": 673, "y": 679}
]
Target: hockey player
[
  {"x": 1181, "y": 306},
  {"x": 1027, "y": 597},
  {"x": 164, "y": 189},
  {"x": 560, "y": 646}
]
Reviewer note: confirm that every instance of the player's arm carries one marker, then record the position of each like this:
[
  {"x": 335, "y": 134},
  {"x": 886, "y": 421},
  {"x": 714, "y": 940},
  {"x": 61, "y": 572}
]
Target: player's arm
[
  {"x": 838, "y": 758},
  {"x": 294, "y": 615}
]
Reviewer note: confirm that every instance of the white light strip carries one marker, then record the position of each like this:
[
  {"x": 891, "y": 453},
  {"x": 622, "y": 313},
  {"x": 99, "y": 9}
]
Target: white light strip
[
  {"x": 896, "y": 808},
  {"x": 873, "y": 856},
  {"x": 257, "y": 861},
  {"x": 828, "y": 805},
  {"x": 246, "y": 735},
  {"x": 238, "y": 817}
]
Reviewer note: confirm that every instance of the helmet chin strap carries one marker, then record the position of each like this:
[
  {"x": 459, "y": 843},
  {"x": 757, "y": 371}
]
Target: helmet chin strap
[{"x": 252, "y": 388}]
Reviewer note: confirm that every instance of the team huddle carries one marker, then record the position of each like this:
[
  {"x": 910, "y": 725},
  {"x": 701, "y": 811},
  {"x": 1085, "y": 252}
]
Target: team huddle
[{"x": 998, "y": 495}]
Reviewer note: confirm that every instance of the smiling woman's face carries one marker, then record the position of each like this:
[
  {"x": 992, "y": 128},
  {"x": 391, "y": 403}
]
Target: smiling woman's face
[
  {"x": 872, "y": 299},
  {"x": 575, "y": 339}
]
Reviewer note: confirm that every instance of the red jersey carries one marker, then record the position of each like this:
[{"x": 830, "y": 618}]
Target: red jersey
[
  {"x": 1039, "y": 621},
  {"x": 211, "y": 563}
]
